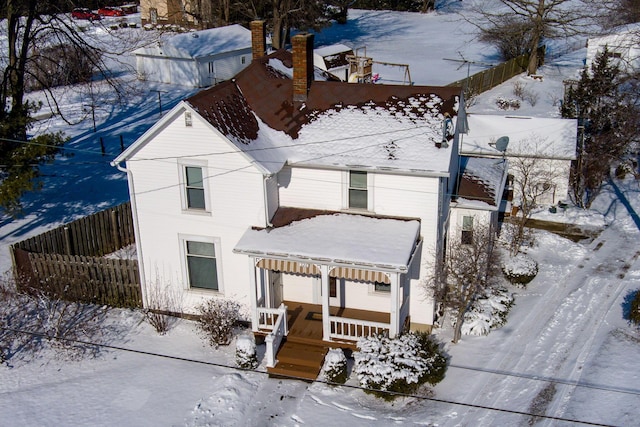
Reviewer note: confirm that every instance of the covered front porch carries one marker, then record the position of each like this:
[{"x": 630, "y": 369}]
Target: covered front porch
[{"x": 349, "y": 276}]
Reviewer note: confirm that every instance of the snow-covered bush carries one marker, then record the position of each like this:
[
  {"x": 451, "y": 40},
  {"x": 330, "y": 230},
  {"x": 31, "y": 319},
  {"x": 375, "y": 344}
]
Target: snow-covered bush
[
  {"x": 488, "y": 311},
  {"x": 507, "y": 104},
  {"x": 246, "y": 357},
  {"x": 334, "y": 368},
  {"x": 520, "y": 269},
  {"x": 399, "y": 365},
  {"x": 217, "y": 320}
]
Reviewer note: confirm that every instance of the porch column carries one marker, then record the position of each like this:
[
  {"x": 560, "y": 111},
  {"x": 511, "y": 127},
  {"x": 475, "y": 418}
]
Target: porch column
[
  {"x": 394, "y": 317},
  {"x": 253, "y": 294},
  {"x": 324, "y": 279}
]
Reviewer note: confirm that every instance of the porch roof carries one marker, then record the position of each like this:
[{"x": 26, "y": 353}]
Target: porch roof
[{"x": 338, "y": 239}]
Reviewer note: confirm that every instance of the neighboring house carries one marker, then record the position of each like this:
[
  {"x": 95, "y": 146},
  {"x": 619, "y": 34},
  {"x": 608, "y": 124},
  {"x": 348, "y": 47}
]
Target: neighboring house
[
  {"x": 279, "y": 188},
  {"x": 552, "y": 141},
  {"x": 166, "y": 12},
  {"x": 196, "y": 59},
  {"x": 479, "y": 194},
  {"x": 333, "y": 59},
  {"x": 623, "y": 47}
]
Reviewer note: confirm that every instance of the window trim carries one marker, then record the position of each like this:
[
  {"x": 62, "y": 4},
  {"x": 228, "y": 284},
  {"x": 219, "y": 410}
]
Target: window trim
[
  {"x": 183, "y": 239},
  {"x": 182, "y": 166}
]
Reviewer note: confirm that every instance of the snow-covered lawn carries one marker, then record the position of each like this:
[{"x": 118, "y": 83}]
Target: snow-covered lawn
[{"x": 566, "y": 350}]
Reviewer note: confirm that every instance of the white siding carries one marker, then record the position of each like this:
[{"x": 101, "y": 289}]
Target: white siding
[
  {"x": 310, "y": 188},
  {"x": 272, "y": 196},
  {"x": 236, "y": 204}
]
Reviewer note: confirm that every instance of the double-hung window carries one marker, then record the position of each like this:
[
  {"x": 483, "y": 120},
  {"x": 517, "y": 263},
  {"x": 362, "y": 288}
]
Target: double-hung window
[
  {"x": 358, "y": 195},
  {"x": 194, "y": 188},
  {"x": 201, "y": 264},
  {"x": 467, "y": 230}
]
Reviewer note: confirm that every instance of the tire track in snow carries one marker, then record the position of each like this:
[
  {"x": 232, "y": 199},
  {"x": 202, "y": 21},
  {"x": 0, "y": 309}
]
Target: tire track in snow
[
  {"x": 563, "y": 398},
  {"x": 570, "y": 313}
]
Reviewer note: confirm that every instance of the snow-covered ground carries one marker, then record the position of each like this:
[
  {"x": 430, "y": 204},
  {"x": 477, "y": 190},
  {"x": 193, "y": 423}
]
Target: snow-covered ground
[{"x": 566, "y": 351}]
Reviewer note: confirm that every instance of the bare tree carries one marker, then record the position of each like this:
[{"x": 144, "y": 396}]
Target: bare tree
[
  {"x": 530, "y": 22},
  {"x": 39, "y": 39},
  {"x": 469, "y": 267},
  {"x": 535, "y": 178}
]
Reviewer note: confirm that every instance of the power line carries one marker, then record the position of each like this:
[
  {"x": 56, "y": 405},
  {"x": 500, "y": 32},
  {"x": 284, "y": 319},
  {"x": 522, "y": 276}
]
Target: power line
[{"x": 292, "y": 377}]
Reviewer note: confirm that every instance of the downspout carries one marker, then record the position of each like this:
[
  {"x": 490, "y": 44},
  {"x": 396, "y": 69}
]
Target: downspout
[
  {"x": 136, "y": 228},
  {"x": 267, "y": 217}
]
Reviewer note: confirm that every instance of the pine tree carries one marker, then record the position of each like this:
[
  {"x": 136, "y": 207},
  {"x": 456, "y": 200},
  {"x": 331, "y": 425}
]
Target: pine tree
[{"x": 608, "y": 122}]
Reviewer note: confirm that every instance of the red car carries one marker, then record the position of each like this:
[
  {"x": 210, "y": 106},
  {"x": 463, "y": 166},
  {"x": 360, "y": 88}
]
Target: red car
[
  {"x": 111, "y": 11},
  {"x": 84, "y": 13}
]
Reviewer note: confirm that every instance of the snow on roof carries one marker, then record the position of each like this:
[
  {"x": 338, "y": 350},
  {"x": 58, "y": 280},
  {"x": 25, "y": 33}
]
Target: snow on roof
[
  {"x": 333, "y": 49},
  {"x": 338, "y": 238},
  {"x": 482, "y": 182},
  {"x": 546, "y": 137},
  {"x": 198, "y": 44},
  {"x": 374, "y": 137}
]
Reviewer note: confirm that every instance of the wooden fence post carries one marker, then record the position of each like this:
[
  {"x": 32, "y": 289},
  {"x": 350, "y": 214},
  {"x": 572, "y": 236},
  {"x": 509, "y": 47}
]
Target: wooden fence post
[
  {"x": 115, "y": 231},
  {"x": 67, "y": 241},
  {"x": 102, "y": 146}
]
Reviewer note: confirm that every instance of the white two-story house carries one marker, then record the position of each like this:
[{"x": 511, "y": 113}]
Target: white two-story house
[{"x": 303, "y": 198}]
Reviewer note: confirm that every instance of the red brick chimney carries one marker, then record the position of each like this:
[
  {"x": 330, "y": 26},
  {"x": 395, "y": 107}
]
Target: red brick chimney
[
  {"x": 302, "y": 65},
  {"x": 258, "y": 39}
]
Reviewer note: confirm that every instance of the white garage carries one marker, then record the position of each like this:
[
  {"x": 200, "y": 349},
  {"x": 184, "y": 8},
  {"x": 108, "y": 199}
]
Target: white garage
[{"x": 196, "y": 59}]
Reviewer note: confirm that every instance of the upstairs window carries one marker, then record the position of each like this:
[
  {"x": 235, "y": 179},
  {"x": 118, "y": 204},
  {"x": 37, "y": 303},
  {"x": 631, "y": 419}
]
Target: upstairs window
[
  {"x": 358, "y": 190},
  {"x": 194, "y": 188}
]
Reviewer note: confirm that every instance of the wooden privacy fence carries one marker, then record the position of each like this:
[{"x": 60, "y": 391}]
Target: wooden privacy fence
[
  {"x": 96, "y": 235},
  {"x": 488, "y": 79},
  {"x": 68, "y": 262}
]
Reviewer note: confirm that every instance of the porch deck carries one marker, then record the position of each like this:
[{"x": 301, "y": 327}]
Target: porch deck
[
  {"x": 305, "y": 321},
  {"x": 302, "y": 353}
]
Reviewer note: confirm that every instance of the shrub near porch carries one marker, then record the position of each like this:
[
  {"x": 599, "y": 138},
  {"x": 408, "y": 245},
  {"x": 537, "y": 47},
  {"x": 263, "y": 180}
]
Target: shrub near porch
[{"x": 398, "y": 366}]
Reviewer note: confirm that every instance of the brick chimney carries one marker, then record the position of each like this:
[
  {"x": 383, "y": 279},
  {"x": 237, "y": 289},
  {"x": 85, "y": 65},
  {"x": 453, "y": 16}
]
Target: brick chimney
[
  {"x": 258, "y": 39},
  {"x": 302, "y": 65}
]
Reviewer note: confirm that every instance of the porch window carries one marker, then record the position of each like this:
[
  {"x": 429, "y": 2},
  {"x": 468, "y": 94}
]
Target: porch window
[
  {"x": 467, "y": 230},
  {"x": 194, "y": 188},
  {"x": 381, "y": 287},
  {"x": 358, "y": 190},
  {"x": 202, "y": 269}
]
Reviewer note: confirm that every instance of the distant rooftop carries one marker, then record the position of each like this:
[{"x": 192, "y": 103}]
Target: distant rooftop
[
  {"x": 551, "y": 138},
  {"x": 196, "y": 44}
]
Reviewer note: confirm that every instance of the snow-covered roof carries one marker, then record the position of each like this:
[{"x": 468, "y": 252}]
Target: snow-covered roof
[
  {"x": 333, "y": 49},
  {"x": 341, "y": 125},
  {"x": 338, "y": 238},
  {"x": 198, "y": 44},
  {"x": 482, "y": 182},
  {"x": 533, "y": 136}
]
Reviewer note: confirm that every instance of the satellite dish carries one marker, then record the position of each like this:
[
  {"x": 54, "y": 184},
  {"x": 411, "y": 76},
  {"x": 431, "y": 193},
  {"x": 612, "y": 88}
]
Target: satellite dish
[{"x": 502, "y": 143}]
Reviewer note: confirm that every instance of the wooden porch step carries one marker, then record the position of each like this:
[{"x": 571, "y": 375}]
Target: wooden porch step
[
  {"x": 301, "y": 354},
  {"x": 294, "y": 371}
]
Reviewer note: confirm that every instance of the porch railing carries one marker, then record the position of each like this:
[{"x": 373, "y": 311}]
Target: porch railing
[
  {"x": 267, "y": 318},
  {"x": 352, "y": 329},
  {"x": 278, "y": 331}
]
